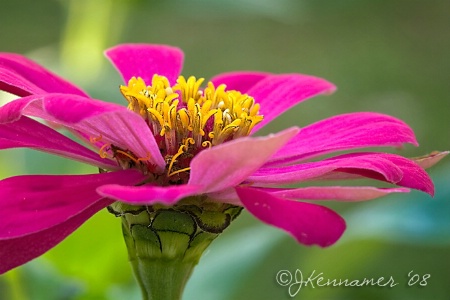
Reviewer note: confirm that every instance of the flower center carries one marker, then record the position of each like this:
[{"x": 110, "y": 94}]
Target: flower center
[{"x": 185, "y": 119}]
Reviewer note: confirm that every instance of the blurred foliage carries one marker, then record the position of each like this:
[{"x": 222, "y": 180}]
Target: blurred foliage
[{"x": 385, "y": 56}]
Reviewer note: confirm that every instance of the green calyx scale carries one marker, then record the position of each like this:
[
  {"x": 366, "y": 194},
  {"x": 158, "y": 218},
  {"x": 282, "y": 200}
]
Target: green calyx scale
[{"x": 166, "y": 242}]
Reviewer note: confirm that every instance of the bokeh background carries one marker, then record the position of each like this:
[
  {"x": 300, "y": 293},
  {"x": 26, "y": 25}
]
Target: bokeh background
[{"x": 385, "y": 56}]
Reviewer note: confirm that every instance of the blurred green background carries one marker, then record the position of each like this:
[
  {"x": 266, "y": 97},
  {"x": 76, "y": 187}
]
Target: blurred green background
[{"x": 385, "y": 56}]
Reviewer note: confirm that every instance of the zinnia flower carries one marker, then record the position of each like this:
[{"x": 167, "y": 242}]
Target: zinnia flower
[{"x": 178, "y": 142}]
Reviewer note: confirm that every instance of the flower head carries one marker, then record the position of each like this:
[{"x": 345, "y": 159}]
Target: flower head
[
  {"x": 185, "y": 120},
  {"x": 181, "y": 142}
]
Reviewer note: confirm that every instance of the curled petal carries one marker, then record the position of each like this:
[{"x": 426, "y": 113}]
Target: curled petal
[
  {"x": 239, "y": 81},
  {"x": 308, "y": 223},
  {"x": 229, "y": 164},
  {"x": 148, "y": 195},
  {"x": 34, "y": 203},
  {"x": 126, "y": 130},
  {"x": 414, "y": 176},
  {"x": 278, "y": 93},
  {"x": 112, "y": 123},
  {"x": 381, "y": 166},
  {"x": 342, "y": 132},
  {"x": 57, "y": 108},
  {"x": 313, "y": 170},
  {"x": 141, "y": 60},
  {"x": 22, "y": 77},
  {"x": 29, "y": 133},
  {"x": 340, "y": 193}
]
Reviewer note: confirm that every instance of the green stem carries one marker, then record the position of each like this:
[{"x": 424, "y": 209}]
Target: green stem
[
  {"x": 165, "y": 243},
  {"x": 162, "y": 279}
]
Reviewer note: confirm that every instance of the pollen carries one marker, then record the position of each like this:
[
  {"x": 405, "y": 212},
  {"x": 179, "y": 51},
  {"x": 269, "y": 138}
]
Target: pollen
[{"x": 186, "y": 119}]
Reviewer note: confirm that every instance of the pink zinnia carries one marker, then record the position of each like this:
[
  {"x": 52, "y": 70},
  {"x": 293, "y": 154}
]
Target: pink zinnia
[{"x": 177, "y": 140}]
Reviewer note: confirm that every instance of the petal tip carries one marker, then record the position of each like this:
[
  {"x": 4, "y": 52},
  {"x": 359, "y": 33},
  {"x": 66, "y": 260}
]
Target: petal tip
[
  {"x": 308, "y": 223},
  {"x": 145, "y": 60}
]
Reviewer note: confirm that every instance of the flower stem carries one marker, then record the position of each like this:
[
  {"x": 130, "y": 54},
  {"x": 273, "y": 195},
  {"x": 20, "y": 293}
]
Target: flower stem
[
  {"x": 165, "y": 243},
  {"x": 162, "y": 279}
]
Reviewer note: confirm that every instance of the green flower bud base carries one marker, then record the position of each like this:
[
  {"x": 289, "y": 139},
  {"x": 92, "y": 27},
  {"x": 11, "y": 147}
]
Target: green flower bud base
[{"x": 165, "y": 243}]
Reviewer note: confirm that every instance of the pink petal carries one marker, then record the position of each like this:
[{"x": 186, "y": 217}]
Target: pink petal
[
  {"x": 29, "y": 133},
  {"x": 340, "y": 193},
  {"x": 226, "y": 196},
  {"x": 239, "y": 81},
  {"x": 145, "y": 60},
  {"x": 55, "y": 108},
  {"x": 148, "y": 195},
  {"x": 21, "y": 76},
  {"x": 126, "y": 130},
  {"x": 308, "y": 223},
  {"x": 17, "y": 251},
  {"x": 37, "y": 202},
  {"x": 111, "y": 123},
  {"x": 229, "y": 164},
  {"x": 381, "y": 166},
  {"x": 278, "y": 93},
  {"x": 348, "y": 131},
  {"x": 414, "y": 176}
]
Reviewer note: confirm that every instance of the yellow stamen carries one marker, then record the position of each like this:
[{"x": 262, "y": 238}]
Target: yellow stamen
[
  {"x": 185, "y": 119},
  {"x": 188, "y": 141},
  {"x": 181, "y": 150},
  {"x": 147, "y": 158},
  {"x": 178, "y": 171},
  {"x": 207, "y": 144},
  {"x": 190, "y": 88},
  {"x": 94, "y": 140},
  {"x": 157, "y": 116},
  {"x": 103, "y": 152},
  {"x": 136, "y": 161}
]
